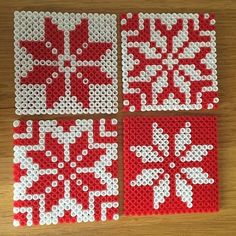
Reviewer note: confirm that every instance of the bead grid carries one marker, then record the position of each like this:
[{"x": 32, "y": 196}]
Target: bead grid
[
  {"x": 65, "y": 63},
  {"x": 168, "y": 62},
  {"x": 65, "y": 171},
  {"x": 170, "y": 165}
]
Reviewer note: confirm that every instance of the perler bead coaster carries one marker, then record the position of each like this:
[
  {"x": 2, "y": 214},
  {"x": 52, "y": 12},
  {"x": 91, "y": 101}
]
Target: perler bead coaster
[
  {"x": 65, "y": 171},
  {"x": 170, "y": 165},
  {"x": 65, "y": 63},
  {"x": 168, "y": 62}
]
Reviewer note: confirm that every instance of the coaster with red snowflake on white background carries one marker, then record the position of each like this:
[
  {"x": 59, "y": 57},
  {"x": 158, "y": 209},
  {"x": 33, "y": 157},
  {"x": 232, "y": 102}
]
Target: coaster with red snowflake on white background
[
  {"x": 65, "y": 171},
  {"x": 65, "y": 63},
  {"x": 170, "y": 165},
  {"x": 168, "y": 62}
]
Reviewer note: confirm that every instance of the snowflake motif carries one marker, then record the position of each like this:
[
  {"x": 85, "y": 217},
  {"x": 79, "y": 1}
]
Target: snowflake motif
[
  {"x": 68, "y": 172},
  {"x": 169, "y": 61},
  {"x": 69, "y": 62},
  {"x": 170, "y": 165},
  {"x": 70, "y": 65},
  {"x": 196, "y": 153}
]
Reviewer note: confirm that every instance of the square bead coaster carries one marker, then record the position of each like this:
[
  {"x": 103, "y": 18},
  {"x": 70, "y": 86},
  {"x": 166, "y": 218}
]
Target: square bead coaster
[
  {"x": 65, "y": 63},
  {"x": 65, "y": 171},
  {"x": 170, "y": 165},
  {"x": 168, "y": 62}
]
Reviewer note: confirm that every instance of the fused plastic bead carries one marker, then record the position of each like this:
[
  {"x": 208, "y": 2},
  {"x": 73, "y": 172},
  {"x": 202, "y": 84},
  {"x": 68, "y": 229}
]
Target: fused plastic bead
[
  {"x": 170, "y": 165},
  {"x": 65, "y": 171},
  {"x": 168, "y": 62},
  {"x": 65, "y": 63}
]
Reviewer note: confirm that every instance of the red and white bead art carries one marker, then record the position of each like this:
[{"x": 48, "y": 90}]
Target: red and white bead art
[
  {"x": 168, "y": 62},
  {"x": 65, "y": 63},
  {"x": 65, "y": 171},
  {"x": 170, "y": 165}
]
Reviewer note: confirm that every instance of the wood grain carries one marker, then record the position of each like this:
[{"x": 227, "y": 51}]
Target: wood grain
[{"x": 221, "y": 223}]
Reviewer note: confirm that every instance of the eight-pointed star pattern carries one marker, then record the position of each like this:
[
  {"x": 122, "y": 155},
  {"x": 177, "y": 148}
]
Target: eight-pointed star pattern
[
  {"x": 65, "y": 171},
  {"x": 65, "y": 63},
  {"x": 170, "y": 165},
  {"x": 168, "y": 62}
]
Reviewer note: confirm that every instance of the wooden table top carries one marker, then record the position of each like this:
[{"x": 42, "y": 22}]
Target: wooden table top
[{"x": 221, "y": 223}]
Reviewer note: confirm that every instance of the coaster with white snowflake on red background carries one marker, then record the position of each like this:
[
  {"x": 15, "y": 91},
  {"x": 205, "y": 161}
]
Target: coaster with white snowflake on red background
[{"x": 170, "y": 165}]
